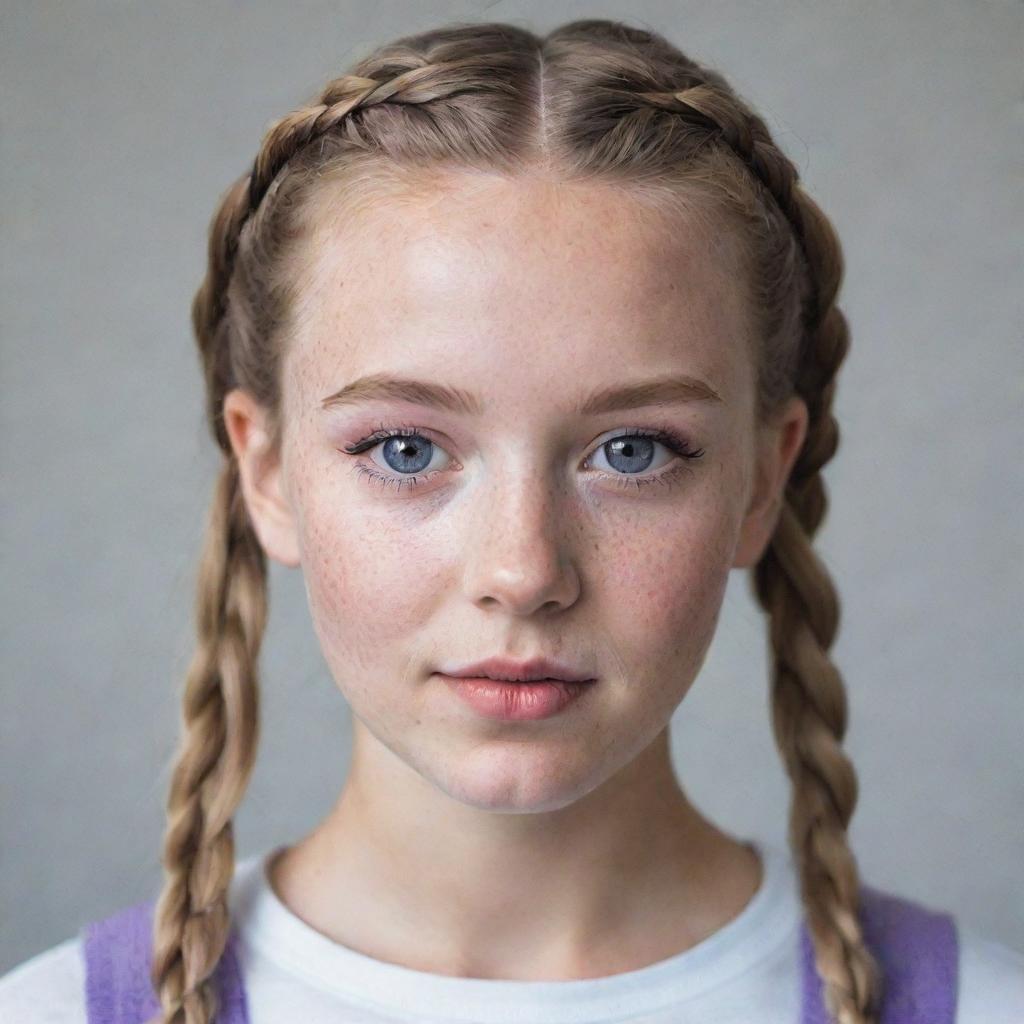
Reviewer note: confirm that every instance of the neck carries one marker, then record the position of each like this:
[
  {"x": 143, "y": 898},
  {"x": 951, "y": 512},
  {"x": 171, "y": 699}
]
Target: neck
[{"x": 625, "y": 876}]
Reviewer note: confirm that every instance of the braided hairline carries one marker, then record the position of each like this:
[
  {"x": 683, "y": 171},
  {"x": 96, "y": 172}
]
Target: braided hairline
[
  {"x": 747, "y": 136},
  {"x": 287, "y": 136},
  {"x": 290, "y": 133},
  {"x": 745, "y": 133},
  {"x": 346, "y": 94}
]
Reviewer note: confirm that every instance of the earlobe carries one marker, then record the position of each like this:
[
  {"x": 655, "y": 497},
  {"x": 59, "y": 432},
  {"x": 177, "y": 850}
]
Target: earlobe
[
  {"x": 260, "y": 473},
  {"x": 779, "y": 446}
]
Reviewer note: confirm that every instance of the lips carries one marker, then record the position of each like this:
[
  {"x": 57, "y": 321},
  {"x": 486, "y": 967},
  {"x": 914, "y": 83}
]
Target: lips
[
  {"x": 517, "y": 702},
  {"x": 512, "y": 671}
]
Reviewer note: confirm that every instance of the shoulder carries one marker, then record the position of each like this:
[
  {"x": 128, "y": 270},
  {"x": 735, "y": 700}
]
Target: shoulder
[
  {"x": 991, "y": 989},
  {"x": 47, "y": 989}
]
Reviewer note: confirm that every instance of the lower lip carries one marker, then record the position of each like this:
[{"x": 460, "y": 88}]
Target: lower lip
[{"x": 517, "y": 702}]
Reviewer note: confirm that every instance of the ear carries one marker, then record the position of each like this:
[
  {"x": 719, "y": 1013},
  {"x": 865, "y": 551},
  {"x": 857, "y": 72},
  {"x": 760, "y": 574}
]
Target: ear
[
  {"x": 260, "y": 474},
  {"x": 778, "y": 445}
]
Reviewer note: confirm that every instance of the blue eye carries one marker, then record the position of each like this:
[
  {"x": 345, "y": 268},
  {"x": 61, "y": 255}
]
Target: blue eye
[
  {"x": 406, "y": 451},
  {"x": 634, "y": 450},
  {"x": 636, "y": 453}
]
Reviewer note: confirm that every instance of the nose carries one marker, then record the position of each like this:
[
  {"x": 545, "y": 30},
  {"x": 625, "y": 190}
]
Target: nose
[{"x": 518, "y": 547}]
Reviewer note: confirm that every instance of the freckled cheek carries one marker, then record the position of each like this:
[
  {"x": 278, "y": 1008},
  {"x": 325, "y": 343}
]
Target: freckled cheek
[
  {"x": 673, "y": 591},
  {"x": 369, "y": 581}
]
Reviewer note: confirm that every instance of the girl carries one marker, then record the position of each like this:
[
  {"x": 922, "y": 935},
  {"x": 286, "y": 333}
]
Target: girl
[{"x": 517, "y": 345}]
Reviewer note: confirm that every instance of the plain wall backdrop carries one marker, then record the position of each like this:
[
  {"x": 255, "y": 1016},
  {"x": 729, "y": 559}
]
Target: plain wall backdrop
[{"x": 122, "y": 123}]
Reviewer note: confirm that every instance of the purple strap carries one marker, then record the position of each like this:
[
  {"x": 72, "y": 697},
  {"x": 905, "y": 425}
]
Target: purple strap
[
  {"x": 118, "y": 955},
  {"x": 919, "y": 954}
]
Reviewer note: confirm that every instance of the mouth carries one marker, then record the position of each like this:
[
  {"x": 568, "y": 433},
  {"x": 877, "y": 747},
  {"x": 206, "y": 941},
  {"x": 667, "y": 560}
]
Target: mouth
[{"x": 517, "y": 700}]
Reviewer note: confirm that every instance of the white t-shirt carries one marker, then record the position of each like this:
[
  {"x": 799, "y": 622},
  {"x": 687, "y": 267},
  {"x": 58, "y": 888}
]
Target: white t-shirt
[{"x": 292, "y": 973}]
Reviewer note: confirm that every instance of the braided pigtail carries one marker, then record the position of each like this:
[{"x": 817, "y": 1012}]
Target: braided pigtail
[
  {"x": 214, "y": 763},
  {"x": 809, "y": 707},
  {"x": 220, "y": 703}
]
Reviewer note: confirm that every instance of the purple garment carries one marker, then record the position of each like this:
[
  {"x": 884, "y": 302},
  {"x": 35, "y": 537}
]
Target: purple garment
[
  {"x": 917, "y": 948},
  {"x": 918, "y": 951},
  {"x": 118, "y": 955}
]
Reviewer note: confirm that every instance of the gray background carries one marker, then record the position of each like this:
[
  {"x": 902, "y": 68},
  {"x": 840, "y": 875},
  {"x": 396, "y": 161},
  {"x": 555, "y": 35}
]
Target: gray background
[{"x": 123, "y": 122}]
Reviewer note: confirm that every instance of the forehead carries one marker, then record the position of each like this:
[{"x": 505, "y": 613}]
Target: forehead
[{"x": 481, "y": 276}]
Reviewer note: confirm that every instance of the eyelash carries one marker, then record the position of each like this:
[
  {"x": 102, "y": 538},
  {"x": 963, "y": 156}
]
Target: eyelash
[{"x": 670, "y": 440}]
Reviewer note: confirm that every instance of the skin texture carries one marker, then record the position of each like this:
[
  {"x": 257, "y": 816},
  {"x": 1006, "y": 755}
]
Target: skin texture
[{"x": 562, "y": 848}]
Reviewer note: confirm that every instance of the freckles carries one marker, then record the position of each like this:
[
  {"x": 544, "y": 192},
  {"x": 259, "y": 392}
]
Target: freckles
[
  {"x": 371, "y": 583},
  {"x": 681, "y": 584},
  {"x": 333, "y": 577}
]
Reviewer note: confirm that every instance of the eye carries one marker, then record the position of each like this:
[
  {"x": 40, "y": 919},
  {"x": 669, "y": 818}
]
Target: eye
[
  {"x": 629, "y": 453},
  {"x": 403, "y": 452}
]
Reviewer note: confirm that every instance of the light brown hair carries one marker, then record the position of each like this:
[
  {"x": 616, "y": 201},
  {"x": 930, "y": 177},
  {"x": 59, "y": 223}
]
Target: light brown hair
[{"x": 591, "y": 100}]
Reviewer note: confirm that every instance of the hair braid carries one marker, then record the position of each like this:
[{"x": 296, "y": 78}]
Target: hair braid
[
  {"x": 419, "y": 84},
  {"x": 221, "y": 719},
  {"x": 809, "y": 708}
]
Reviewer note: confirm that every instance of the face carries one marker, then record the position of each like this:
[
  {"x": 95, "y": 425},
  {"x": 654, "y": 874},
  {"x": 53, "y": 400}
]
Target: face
[{"x": 516, "y": 522}]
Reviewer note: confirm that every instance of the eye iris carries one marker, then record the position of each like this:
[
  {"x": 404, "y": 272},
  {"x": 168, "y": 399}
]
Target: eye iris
[
  {"x": 638, "y": 449},
  {"x": 413, "y": 456}
]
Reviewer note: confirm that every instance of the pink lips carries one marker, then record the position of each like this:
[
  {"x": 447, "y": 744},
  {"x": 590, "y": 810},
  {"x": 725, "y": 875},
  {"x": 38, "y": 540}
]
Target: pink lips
[
  {"x": 516, "y": 701},
  {"x": 510, "y": 690}
]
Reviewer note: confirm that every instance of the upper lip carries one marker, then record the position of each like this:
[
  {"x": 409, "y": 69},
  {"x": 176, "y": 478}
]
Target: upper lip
[{"x": 509, "y": 670}]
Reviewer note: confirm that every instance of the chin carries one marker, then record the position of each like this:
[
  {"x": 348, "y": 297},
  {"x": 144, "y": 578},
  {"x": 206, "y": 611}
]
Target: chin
[{"x": 516, "y": 780}]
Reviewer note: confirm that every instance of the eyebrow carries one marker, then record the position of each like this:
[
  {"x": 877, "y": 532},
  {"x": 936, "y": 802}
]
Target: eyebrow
[{"x": 657, "y": 390}]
